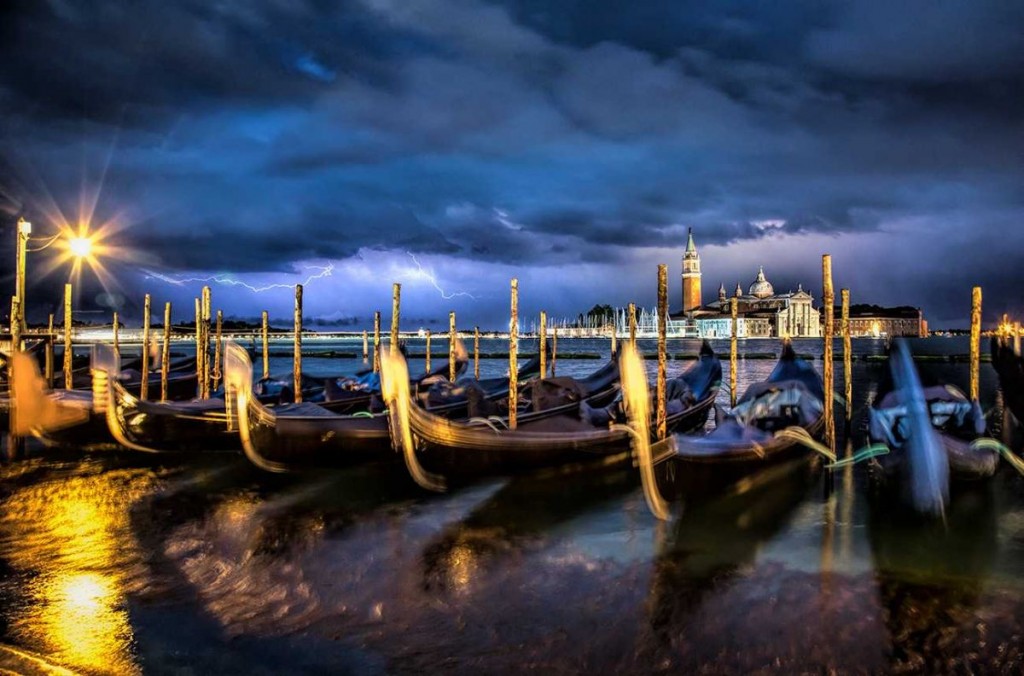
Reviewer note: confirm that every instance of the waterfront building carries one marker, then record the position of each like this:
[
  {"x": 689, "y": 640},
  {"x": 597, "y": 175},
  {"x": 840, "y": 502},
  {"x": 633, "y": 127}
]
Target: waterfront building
[
  {"x": 885, "y": 322},
  {"x": 762, "y": 313}
]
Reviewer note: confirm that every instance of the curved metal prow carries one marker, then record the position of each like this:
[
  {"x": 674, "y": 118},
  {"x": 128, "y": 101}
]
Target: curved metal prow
[
  {"x": 238, "y": 397},
  {"x": 104, "y": 366},
  {"x": 395, "y": 387},
  {"x": 637, "y": 401},
  {"x": 108, "y": 392}
]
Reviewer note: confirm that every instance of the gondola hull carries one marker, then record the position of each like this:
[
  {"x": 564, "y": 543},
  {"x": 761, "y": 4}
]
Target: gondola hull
[
  {"x": 172, "y": 427},
  {"x": 699, "y": 468}
]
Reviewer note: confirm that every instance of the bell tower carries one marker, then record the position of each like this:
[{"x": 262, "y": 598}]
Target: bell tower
[{"x": 691, "y": 276}]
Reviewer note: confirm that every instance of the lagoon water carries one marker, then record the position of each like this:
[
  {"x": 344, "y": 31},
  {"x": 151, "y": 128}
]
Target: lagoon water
[{"x": 128, "y": 563}]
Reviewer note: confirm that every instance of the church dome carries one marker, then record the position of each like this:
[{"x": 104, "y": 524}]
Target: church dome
[{"x": 761, "y": 288}]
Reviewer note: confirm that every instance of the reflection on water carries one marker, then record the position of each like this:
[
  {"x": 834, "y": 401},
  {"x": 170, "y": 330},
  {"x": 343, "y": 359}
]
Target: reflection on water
[
  {"x": 70, "y": 544},
  {"x": 121, "y": 564}
]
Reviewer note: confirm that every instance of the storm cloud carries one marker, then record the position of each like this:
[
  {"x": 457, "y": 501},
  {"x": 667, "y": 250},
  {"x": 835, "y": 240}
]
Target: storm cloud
[{"x": 568, "y": 143}]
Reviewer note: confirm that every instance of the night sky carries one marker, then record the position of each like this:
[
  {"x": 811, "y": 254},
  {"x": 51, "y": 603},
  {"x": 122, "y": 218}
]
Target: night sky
[{"x": 450, "y": 145}]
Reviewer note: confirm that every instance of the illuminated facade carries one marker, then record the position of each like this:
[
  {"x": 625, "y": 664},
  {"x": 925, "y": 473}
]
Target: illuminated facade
[
  {"x": 878, "y": 322},
  {"x": 762, "y": 313}
]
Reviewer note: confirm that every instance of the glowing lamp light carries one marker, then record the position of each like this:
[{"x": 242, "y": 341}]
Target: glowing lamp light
[{"x": 80, "y": 247}]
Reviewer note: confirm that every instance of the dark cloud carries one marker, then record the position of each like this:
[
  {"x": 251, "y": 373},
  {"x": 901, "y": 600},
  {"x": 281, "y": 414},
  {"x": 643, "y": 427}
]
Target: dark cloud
[{"x": 255, "y": 137}]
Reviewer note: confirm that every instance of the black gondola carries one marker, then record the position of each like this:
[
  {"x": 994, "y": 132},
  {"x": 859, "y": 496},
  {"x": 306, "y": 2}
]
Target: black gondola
[
  {"x": 572, "y": 432},
  {"x": 773, "y": 421},
  {"x": 204, "y": 425},
  {"x": 307, "y": 435},
  {"x": 74, "y": 419},
  {"x": 934, "y": 434}
]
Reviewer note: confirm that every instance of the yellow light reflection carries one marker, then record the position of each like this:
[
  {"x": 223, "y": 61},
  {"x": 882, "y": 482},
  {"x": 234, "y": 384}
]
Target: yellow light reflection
[
  {"x": 461, "y": 566},
  {"x": 74, "y": 535}
]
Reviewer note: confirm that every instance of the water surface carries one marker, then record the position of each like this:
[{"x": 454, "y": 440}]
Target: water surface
[{"x": 126, "y": 563}]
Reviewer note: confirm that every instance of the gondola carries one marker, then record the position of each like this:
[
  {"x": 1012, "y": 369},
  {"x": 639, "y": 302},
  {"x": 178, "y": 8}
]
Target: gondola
[
  {"x": 934, "y": 434},
  {"x": 77, "y": 418},
  {"x": 1010, "y": 368},
  {"x": 58, "y": 418},
  {"x": 301, "y": 436},
  {"x": 158, "y": 426},
  {"x": 773, "y": 421},
  {"x": 294, "y": 436},
  {"x": 579, "y": 430},
  {"x": 204, "y": 425}
]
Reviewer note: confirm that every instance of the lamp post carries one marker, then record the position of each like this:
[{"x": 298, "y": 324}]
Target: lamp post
[
  {"x": 24, "y": 230},
  {"x": 79, "y": 247}
]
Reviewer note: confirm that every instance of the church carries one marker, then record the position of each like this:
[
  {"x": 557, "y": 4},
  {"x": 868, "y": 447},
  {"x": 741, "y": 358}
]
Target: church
[{"x": 761, "y": 313}]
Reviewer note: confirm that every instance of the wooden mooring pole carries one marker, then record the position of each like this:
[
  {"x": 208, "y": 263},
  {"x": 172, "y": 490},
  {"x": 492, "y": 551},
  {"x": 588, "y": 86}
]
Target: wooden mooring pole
[
  {"x": 1016, "y": 338},
  {"x": 513, "y": 362},
  {"x": 49, "y": 351},
  {"x": 165, "y": 353},
  {"x": 396, "y": 303},
  {"x": 975, "y": 342},
  {"x": 829, "y": 301},
  {"x": 366, "y": 347},
  {"x": 554, "y": 349},
  {"x": 199, "y": 347},
  {"x": 632, "y": 325},
  {"x": 661, "y": 411},
  {"x": 453, "y": 337},
  {"x": 69, "y": 352},
  {"x": 206, "y": 312},
  {"x": 543, "y": 344},
  {"x": 117, "y": 341},
  {"x": 376, "y": 342},
  {"x": 218, "y": 351},
  {"x": 844, "y": 295},
  {"x": 147, "y": 309},
  {"x": 476, "y": 352},
  {"x": 733, "y": 352},
  {"x": 265, "y": 342},
  {"x": 428, "y": 352},
  {"x": 297, "y": 356}
]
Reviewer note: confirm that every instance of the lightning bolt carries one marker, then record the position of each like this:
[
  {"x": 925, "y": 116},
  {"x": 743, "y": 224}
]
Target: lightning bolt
[
  {"x": 324, "y": 271},
  {"x": 429, "y": 275}
]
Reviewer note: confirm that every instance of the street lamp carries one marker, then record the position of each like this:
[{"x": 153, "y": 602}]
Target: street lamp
[{"x": 80, "y": 247}]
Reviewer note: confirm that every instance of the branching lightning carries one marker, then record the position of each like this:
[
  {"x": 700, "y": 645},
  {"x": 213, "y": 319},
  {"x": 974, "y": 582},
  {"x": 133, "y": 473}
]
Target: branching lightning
[
  {"x": 429, "y": 276},
  {"x": 324, "y": 271}
]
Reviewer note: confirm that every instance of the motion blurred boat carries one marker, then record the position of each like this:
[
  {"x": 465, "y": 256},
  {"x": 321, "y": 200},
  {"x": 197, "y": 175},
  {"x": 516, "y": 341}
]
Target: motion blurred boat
[
  {"x": 292, "y": 437},
  {"x": 773, "y": 421},
  {"x": 934, "y": 433},
  {"x": 75, "y": 419},
  {"x": 295, "y": 436},
  {"x": 576, "y": 423},
  {"x": 158, "y": 426},
  {"x": 58, "y": 418}
]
